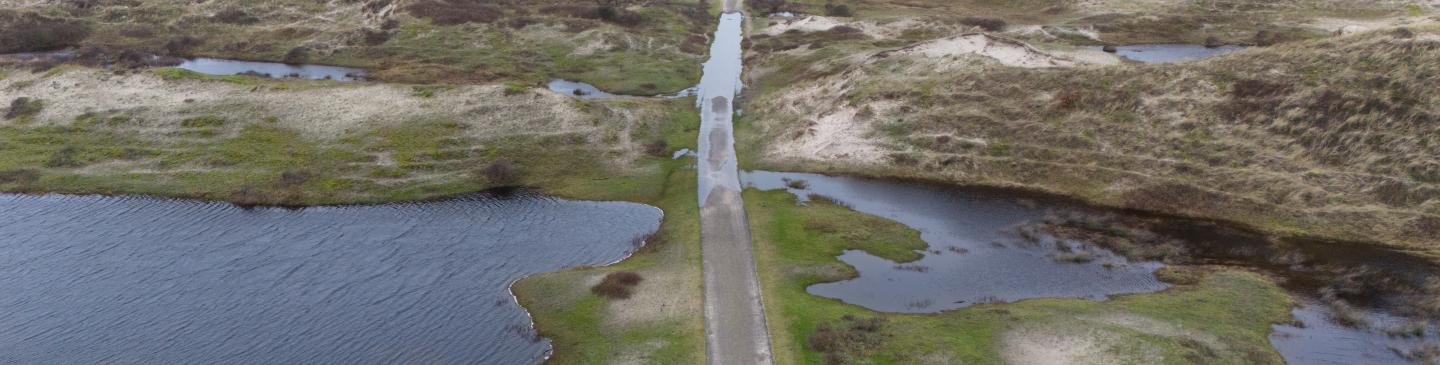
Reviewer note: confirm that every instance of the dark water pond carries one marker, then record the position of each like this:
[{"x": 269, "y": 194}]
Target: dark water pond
[
  {"x": 992, "y": 262},
  {"x": 973, "y": 257},
  {"x": 214, "y": 66},
  {"x": 1170, "y": 53},
  {"x": 135, "y": 280}
]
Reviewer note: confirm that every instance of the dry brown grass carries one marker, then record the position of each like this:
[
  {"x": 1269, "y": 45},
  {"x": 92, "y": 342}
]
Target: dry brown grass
[{"x": 1336, "y": 138}]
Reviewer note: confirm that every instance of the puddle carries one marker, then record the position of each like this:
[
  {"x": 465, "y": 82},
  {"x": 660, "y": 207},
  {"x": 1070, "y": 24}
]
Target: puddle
[
  {"x": 683, "y": 152},
  {"x": 213, "y": 66},
  {"x": 581, "y": 90},
  {"x": 219, "y": 67},
  {"x": 587, "y": 91},
  {"x": 1317, "y": 339},
  {"x": 972, "y": 257},
  {"x": 1170, "y": 53},
  {"x": 98, "y": 280}
]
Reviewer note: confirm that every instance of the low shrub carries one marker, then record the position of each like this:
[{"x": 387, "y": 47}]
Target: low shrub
[
  {"x": 294, "y": 177},
  {"x": 451, "y": 12},
  {"x": 849, "y": 336},
  {"x": 23, "y": 107},
  {"x": 988, "y": 24},
  {"x": 841, "y": 10},
  {"x": 20, "y": 176},
  {"x": 64, "y": 157},
  {"x": 297, "y": 55},
  {"x": 657, "y": 148},
  {"x": 28, "y": 32},
  {"x": 500, "y": 173},
  {"x": 515, "y": 88},
  {"x": 204, "y": 121},
  {"x": 617, "y": 285}
]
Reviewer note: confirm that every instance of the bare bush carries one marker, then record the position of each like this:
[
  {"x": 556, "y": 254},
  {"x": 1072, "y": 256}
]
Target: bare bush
[
  {"x": 657, "y": 148},
  {"x": 234, "y": 16},
  {"x": 617, "y": 285}
]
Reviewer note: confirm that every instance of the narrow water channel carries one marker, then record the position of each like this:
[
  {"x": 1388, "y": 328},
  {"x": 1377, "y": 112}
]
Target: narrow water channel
[
  {"x": 138, "y": 280},
  {"x": 1170, "y": 53},
  {"x": 734, "y": 315}
]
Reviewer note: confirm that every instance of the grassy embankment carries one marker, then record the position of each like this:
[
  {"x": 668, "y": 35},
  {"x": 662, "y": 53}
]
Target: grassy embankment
[
  {"x": 1210, "y": 316},
  {"x": 651, "y": 49},
  {"x": 661, "y": 322},
  {"x": 1334, "y": 138}
]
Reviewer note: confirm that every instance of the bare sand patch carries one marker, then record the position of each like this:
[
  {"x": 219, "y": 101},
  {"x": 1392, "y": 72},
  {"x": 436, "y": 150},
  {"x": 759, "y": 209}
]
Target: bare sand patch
[
  {"x": 1007, "y": 51},
  {"x": 315, "y": 109},
  {"x": 1053, "y": 346}
]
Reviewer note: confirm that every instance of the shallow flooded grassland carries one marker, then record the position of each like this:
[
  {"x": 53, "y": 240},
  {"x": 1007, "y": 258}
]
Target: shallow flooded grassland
[
  {"x": 861, "y": 270},
  {"x": 1332, "y": 138},
  {"x": 1222, "y": 315},
  {"x": 649, "y": 50}
]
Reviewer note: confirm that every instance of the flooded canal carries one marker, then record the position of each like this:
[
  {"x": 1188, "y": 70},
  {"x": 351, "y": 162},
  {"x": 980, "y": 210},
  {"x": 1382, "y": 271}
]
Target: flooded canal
[
  {"x": 1357, "y": 302},
  {"x": 137, "y": 280},
  {"x": 1170, "y": 53},
  {"x": 214, "y": 66}
]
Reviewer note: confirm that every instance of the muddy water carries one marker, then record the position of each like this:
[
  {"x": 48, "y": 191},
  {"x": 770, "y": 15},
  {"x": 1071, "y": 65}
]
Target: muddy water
[
  {"x": 973, "y": 257},
  {"x": 214, "y": 66},
  {"x": 994, "y": 263},
  {"x": 133, "y": 280},
  {"x": 1170, "y": 53}
]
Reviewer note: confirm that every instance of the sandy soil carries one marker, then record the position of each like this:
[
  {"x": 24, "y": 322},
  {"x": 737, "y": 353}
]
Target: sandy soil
[{"x": 1008, "y": 52}]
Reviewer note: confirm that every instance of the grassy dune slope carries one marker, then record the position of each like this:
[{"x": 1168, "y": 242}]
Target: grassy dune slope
[
  {"x": 647, "y": 49},
  {"x": 1337, "y": 137},
  {"x": 262, "y": 141}
]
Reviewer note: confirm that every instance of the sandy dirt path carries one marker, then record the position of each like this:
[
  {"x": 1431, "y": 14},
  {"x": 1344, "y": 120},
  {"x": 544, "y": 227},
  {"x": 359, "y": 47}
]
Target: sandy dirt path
[{"x": 735, "y": 331}]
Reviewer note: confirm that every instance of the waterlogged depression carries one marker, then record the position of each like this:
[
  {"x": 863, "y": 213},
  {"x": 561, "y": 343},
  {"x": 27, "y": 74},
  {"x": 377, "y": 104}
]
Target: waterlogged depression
[
  {"x": 136, "y": 280},
  {"x": 977, "y": 255},
  {"x": 973, "y": 258}
]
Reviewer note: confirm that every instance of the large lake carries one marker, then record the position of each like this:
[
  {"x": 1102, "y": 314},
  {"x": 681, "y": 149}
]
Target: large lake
[{"x": 138, "y": 280}]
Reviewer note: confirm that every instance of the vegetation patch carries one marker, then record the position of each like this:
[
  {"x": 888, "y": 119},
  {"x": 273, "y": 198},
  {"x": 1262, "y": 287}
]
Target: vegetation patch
[{"x": 24, "y": 108}]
